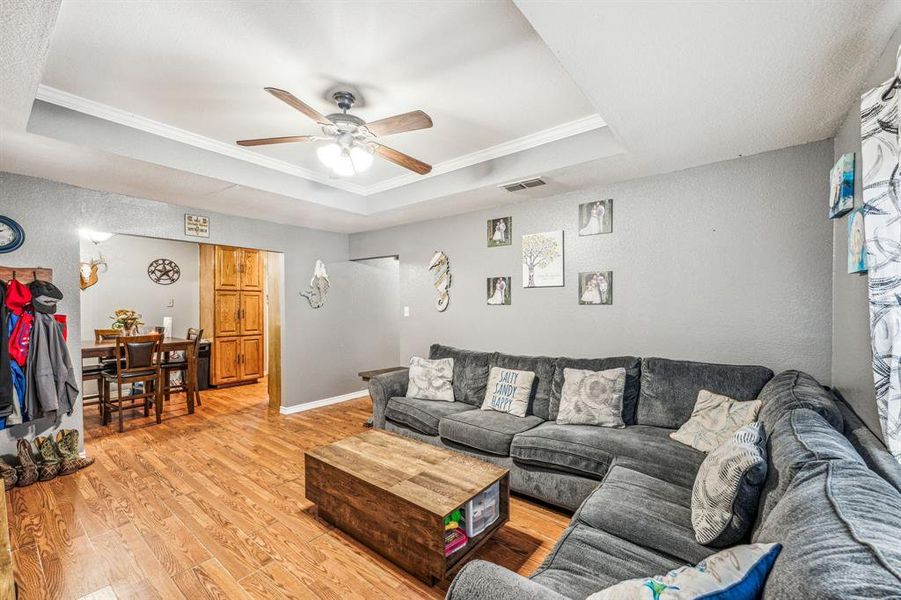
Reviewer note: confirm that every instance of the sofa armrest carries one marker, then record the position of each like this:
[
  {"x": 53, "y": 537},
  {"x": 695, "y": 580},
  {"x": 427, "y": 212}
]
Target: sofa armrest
[
  {"x": 384, "y": 387},
  {"x": 480, "y": 580}
]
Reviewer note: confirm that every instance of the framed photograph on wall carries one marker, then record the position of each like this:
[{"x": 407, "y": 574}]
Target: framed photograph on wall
[
  {"x": 857, "y": 243},
  {"x": 542, "y": 259},
  {"x": 498, "y": 290},
  {"x": 841, "y": 186},
  {"x": 596, "y": 217},
  {"x": 596, "y": 288},
  {"x": 500, "y": 232}
]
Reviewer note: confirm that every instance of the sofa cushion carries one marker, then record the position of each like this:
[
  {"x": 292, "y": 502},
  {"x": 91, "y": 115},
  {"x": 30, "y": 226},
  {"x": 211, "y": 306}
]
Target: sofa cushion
[
  {"x": 727, "y": 489},
  {"x": 509, "y": 391},
  {"x": 645, "y": 510},
  {"x": 586, "y": 560},
  {"x": 800, "y": 437},
  {"x": 669, "y": 388},
  {"x": 793, "y": 389},
  {"x": 631, "y": 364},
  {"x": 839, "y": 525},
  {"x": 542, "y": 366},
  {"x": 714, "y": 419},
  {"x": 430, "y": 379},
  {"x": 589, "y": 451},
  {"x": 421, "y": 415},
  {"x": 485, "y": 430},
  {"x": 592, "y": 397},
  {"x": 470, "y": 372}
]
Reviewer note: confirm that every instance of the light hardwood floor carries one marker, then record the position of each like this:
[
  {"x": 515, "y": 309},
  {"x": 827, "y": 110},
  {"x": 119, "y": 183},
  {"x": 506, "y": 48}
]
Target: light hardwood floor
[{"x": 212, "y": 505}]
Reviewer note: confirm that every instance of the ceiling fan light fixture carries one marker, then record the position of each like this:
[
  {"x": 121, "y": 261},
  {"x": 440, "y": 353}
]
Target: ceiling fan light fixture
[
  {"x": 361, "y": 156},
  {"x": 343, "y": 165},
  {"x": 329, "y": 154}
]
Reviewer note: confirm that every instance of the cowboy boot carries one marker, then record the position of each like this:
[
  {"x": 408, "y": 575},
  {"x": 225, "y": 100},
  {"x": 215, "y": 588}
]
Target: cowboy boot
[
  {"x": 50, "y": 464},
  {"x": 71, "y": 435},
  {"x": 27, "y": 469},
  {"x": 8, "y": 474},
  {"x": 69, "y": 462}
]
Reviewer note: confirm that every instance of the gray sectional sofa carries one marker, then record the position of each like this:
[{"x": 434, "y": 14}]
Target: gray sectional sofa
[{"x": 832, "y": 495}]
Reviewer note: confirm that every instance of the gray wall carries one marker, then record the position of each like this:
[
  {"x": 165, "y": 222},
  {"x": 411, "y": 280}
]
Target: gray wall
[
  {"x": 852, "y": 353},
  {"x": 125, "y": 283},
  {"x": 314, "y": 365},
  {"x": 729, "y": 262}
]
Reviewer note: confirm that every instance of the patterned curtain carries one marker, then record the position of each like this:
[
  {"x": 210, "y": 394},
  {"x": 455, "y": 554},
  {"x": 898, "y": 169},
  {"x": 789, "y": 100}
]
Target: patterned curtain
[{"x": 880, "y": 154}]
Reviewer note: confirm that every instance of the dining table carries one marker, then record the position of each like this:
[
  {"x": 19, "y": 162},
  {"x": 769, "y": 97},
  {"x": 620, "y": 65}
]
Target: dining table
[{"x": 107, "y": 349}]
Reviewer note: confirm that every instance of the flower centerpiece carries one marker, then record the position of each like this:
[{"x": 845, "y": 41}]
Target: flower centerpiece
[{"x": 127, "y": 320}]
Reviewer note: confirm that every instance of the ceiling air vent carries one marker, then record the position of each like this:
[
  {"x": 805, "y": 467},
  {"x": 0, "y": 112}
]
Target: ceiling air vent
[{"x": 523, "y": 185}]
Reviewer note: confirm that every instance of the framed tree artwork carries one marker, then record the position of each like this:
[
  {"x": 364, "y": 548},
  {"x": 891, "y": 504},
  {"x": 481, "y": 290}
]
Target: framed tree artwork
[{"x": 542, "y": 259}]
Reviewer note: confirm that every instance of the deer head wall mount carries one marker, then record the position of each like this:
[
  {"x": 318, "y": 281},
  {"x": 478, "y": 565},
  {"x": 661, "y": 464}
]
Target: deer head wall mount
[{"x": 88, "y": 271}]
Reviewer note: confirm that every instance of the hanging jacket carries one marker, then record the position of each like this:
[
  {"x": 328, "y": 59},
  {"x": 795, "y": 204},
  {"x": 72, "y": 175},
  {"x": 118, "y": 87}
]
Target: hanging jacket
[
  {"x": 50, "y": 379},
  {"x": 7, "y": 398}
]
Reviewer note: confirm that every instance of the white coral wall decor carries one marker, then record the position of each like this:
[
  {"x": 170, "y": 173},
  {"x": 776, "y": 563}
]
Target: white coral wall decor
[
  {"x": 440, "y": 268},
  {"x": 319, "y": 286}
]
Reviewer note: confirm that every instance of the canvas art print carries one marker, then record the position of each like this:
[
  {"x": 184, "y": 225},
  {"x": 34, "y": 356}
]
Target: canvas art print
[
  {"x": 857, "y": 248},
  {"x": 499, "y": 291},
  {"x": 841, "y": 186},
  {"x": 596, "y": 287},
  {"x": 500, "y": 232},
  {"x": 542, "y": 259},
  {"x": 596, "y": 217}
]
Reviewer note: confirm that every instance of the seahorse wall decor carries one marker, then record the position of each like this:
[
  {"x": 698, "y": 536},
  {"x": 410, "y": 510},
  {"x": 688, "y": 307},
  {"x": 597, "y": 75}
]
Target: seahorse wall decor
[
  {"x": 319, "y": 286},
  {"x": 440, "y": 268}
]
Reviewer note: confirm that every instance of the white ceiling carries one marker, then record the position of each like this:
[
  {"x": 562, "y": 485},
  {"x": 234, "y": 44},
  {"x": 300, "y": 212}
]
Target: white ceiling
[{"x": 147, "y": 98}]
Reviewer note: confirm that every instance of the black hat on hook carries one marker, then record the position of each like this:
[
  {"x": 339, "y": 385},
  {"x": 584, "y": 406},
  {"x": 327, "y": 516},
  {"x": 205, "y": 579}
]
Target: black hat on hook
[{"x": 44, "y": 296}]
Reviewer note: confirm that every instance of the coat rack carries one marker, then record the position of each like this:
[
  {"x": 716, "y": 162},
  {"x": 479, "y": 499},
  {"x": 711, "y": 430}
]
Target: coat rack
[{"x": 25, "y": 275}]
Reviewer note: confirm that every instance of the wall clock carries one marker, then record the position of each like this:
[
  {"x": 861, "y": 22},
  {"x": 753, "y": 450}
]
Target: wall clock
[
  {"x": 12, "y": 236},
  {"x": 163, "y": 271}
]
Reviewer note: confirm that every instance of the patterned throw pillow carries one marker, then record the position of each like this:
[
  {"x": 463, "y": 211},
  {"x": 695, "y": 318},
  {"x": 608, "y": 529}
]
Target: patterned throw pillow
[
  {"x": 714, "y": 419},
  {"x": 508, "y": 391},
  {"x": 737, "y": 573},
  {"x": 727, "y": 488},
  {"x": 431, "y": 379},
  {"x": 592, "y": 397}
]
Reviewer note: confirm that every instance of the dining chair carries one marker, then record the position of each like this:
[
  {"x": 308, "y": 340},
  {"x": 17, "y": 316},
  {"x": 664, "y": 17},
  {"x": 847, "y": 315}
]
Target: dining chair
[
  {"x": 138, "y": 360},
  {"x": 94, "y": 372},
  {"x": 188, "y": 383}
]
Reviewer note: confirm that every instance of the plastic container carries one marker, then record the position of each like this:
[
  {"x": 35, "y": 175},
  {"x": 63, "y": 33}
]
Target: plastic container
[{"x": 483, "y": 510}]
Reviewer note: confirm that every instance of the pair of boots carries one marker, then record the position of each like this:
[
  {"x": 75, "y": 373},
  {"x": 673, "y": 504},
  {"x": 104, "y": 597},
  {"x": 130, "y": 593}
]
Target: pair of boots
[{"x": 61, "y": 458}]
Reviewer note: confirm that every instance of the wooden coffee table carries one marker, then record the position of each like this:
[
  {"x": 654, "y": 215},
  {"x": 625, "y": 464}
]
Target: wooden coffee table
[{"x": 392, "y": 493}]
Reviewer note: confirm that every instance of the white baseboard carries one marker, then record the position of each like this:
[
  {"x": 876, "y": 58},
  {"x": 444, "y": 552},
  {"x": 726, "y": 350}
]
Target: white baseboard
[{"x": 290, "y": 410}]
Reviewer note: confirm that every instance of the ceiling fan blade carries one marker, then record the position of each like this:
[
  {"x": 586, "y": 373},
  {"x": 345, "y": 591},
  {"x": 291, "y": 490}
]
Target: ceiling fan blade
[
  {"x": 290, "y": 99},
  {"x": 410, "y": 121},
  {"x": 278, "y": 140},
  {"x": 399, "y": 158}
]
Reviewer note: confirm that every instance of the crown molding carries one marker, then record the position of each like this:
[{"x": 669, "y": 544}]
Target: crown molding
[
  {"x": 527, "y": 142},
  {"x": 116, "y": 115}
]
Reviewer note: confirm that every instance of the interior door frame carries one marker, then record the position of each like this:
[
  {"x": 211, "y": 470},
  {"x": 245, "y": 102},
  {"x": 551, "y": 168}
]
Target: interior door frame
[{"x": 274, "y": 266}]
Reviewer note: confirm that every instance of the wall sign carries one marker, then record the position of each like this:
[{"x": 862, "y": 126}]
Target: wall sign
[{"x": 197, "y": 226}]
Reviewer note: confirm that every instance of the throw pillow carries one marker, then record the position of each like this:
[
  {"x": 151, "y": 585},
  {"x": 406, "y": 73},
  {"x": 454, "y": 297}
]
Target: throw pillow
[
  {"x": 737, "y": 573},
  {"x": 431, "y": 379},
  {"x": 508, "y": 391},
  {"x": 714, "y": 419},
  {"x": 592, "y": 397},
  {"x": 727, "y": 488}
]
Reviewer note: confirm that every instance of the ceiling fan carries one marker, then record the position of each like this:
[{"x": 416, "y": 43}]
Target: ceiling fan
[{"x": 352, "y": 141}]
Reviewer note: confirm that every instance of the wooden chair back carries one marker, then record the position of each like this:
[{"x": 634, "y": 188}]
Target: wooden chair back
[
  {"x": 195, "y": 335},
  {"x": 106, "y": 335},
  {"x": 138, "y": 353}
]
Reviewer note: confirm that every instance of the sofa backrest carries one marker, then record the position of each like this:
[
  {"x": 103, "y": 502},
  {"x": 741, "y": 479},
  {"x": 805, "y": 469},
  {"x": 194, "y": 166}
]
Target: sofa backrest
[
  {"x": 470, "y": 372},
  {"x": 840, "y": 529},
  {"x": 631, "y": 364},
  {"x": 542, "y": 366},
  {"x": 669, "y": 388},
  {"x": 799, "y": 438},
  {"x": 871, "y": 448},
  {"x": 794, "y": 389}
]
